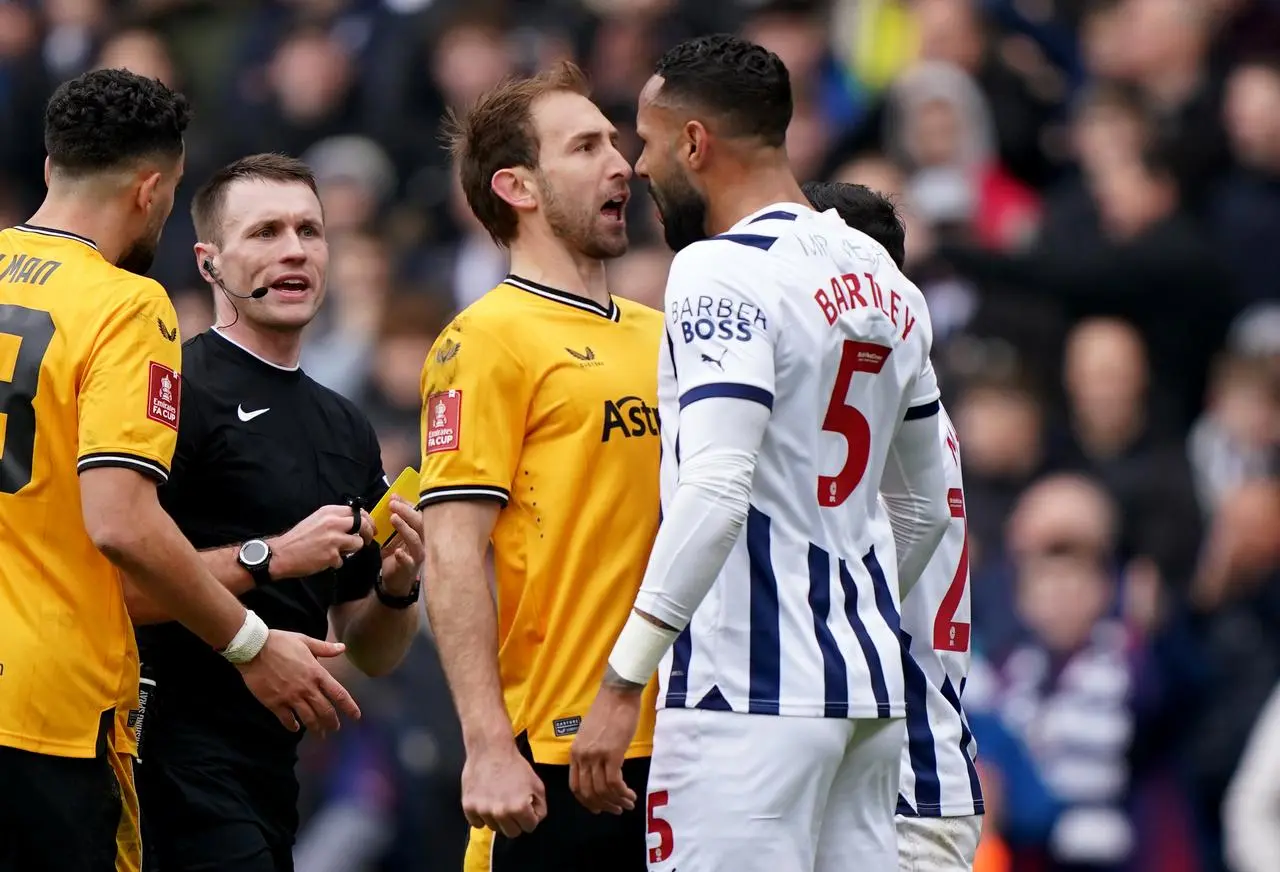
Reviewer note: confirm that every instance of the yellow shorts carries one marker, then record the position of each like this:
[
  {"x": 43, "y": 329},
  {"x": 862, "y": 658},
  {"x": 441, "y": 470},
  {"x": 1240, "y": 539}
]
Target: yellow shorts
[
  {"x": 479, "y": 850},
  {"x": 128, "y": 831}
]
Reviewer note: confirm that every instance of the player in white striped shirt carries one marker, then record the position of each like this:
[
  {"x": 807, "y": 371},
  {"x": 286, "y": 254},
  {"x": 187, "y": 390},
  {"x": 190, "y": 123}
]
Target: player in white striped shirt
[
  {"x": 940, "y": 803},
  {"x": 794, "y": 385}
]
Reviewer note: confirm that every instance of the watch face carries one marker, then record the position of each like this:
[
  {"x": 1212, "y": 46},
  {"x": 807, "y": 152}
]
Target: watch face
[{"x": 254, "y": 552}]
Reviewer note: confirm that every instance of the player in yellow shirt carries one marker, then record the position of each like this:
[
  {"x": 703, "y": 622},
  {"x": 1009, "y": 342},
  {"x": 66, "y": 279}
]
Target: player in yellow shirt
[
  {"x": 541, "y": 435},
  {"x": 89, "y": 396}
]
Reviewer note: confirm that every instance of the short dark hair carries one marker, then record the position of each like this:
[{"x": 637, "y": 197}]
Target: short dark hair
[
  {"x": 497, "y": 133},
  {"x": 105, "y": 119},
  {"x": 863, "y": 209},
  {"x": 746, "y": 86},
  {"x": 206, "y": 208}
]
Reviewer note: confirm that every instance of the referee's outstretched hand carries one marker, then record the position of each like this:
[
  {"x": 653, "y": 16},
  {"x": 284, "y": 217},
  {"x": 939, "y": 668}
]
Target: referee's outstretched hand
[{"x": 287, "y": 678}]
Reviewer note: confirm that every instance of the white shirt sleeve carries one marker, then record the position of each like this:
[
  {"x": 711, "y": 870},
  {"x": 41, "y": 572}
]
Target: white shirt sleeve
[
  {"x": 914, "y": 486},
  {"x": 924, "y": 394},
  {"x": 914, "y": 490},
  {"x": 719, "y": 440}
]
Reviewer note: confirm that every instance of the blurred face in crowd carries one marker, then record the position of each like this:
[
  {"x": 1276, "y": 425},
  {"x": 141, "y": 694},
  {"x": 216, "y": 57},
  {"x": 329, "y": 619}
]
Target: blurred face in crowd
[
  {"x": 1061, "y": 598},
  {"x": 1106, "y": 376},
  {"x": 949, "y": 32},
  {"x": 361, "y": 271},
  {"x": 469, "y": 60},
  {"x": 1130, "y": 198},
  {"x": 1250, "y": 515},
  {"x": 1106, "y": 132},
  {"x": 933, "y": 134},
  {"x": 1162, "y": 35},
  {"x": 798, "y": 39},
  {"x": 1059, "y": 535},
  {"x": 581, "y": 179},
  {"x": 682, "y": 208},
  {"x": 155, "y": 190},
  {"x": 140, "y": 51},
  {"x": 1252, "y": 114},
  {"x": 1061, "y": 513},
  {"x": 1000, "y": 430},
  {"x": 310, "y": 74},
  {"x": 1103, "y": 40},
  {"x": 272, "y": 235}
]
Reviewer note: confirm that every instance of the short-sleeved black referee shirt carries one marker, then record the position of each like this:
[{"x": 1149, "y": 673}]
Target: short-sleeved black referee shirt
[{"x": 260, "y": 448}]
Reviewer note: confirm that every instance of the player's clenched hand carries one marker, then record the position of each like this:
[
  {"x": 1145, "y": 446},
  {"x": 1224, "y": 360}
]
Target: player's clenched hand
[
  {"x": 501, "y": 791},
  {"x": 287, "y": 678},
  {"x": 318, "y": 542},
  {"x": 595, "y": 761}
]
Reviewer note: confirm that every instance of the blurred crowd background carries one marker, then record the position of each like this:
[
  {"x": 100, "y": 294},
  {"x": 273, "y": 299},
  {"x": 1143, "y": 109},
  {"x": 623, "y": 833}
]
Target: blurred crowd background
[{"x": 1092, "y": 195}]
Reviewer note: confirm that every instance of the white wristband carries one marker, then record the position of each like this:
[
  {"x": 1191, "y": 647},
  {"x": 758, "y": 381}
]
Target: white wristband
[
  {"x": 640, "y": 648},
  {"x": 246, "y": 643}
]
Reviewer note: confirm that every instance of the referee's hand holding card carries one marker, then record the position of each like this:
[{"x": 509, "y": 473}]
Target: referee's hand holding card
[{"x": 402, "y": 551}]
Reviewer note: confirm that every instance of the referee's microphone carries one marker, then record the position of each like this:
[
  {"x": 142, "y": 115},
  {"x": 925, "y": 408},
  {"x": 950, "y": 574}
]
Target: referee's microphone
[{"x": 255, "y": 294}]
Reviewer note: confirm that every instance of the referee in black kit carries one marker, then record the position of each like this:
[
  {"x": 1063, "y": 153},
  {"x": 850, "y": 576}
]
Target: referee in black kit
[{"x": 269, "y": 479}]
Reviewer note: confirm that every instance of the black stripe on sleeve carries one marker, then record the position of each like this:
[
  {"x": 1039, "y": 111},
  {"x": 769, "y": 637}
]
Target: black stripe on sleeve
[
  {"x": 445, "y": 493},
  {"x": 917, "y": 412},
  {"x": 124, "y": 460},
  {"x": 727, "y": 390}
]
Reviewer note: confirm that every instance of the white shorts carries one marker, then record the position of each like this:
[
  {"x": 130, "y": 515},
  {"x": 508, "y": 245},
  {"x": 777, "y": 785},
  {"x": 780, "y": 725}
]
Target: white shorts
[
  {"x": 739, "y": 793},
  {"x": 945, "y": 844}
]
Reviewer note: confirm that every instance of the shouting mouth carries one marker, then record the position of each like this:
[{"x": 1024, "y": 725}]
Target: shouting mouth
[{"x": 613, "y": 209}]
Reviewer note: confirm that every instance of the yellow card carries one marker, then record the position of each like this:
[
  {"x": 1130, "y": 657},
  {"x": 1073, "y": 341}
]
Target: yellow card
[{"x": 406, "y": 486}]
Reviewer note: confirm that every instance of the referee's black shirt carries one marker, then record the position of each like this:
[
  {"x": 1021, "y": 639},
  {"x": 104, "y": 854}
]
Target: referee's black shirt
[{"x": 259, "y": 449}]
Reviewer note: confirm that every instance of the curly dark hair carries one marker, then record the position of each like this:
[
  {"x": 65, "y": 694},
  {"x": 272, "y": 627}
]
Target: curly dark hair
[
  {"x": 747, "y": 87},
  {"x": 106, "y": 118},
  {"x": 862, "y": 209}
]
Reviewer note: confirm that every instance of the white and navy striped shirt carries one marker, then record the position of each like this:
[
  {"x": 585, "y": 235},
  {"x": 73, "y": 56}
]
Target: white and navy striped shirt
[
  {"x": 938, "y": 775},
  {"x": 796, "y": 311}
]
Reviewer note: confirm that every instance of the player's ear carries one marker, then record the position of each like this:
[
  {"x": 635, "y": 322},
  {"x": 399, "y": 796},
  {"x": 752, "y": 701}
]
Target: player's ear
[
  {"x": 515, "y": 186},
  {"x": 48, "y": 170},
  {"x": 147, "y": 186},
  {"x": 694, "y": 144}
]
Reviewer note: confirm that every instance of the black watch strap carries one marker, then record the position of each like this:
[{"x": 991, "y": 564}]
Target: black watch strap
[{"x": 392, "y": 601}]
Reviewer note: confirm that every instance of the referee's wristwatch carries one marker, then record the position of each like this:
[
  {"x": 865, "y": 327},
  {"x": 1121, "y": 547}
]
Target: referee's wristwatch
[
  {"x": 392, "y": 601},
  {"x": 255, "y": 557}
]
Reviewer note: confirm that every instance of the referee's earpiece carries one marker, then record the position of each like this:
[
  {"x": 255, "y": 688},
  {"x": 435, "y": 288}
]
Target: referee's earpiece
[{"x": 209, "y": 270}]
